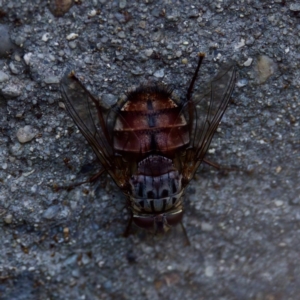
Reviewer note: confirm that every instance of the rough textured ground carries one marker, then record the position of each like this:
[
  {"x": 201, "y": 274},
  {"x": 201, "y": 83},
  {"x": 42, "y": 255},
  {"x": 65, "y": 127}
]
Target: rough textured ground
[{"x": 243, "y": 225}]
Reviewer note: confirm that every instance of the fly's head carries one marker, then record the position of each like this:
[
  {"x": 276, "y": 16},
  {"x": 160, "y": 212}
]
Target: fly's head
[{"x": 159, "y": 223}]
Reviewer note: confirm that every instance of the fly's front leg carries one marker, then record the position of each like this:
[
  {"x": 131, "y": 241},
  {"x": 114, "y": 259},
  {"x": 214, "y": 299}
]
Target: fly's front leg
[{"x": 72, "y": 186}]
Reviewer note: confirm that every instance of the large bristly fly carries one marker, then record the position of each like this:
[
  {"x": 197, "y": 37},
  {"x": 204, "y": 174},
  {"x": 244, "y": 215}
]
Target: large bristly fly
[{"x": 152, "y": 142}]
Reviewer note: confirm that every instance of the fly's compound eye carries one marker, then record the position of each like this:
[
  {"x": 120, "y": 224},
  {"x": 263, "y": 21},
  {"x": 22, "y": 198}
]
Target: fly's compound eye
[
  {"x": 144, "y": 222},
  {"x": 165, "y": 220},
  {"x": 174, "y": 219}
]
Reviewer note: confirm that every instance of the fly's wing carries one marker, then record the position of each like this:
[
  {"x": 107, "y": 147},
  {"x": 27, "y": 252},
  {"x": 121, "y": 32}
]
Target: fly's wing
[
  {"x": 203, "y": 115},
  {"x": 90, "y": 117}
]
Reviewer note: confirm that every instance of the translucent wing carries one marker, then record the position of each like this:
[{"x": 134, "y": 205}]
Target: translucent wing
[
  {"x": 91, "y": 118},
  {"x": 204, "y": 113}
]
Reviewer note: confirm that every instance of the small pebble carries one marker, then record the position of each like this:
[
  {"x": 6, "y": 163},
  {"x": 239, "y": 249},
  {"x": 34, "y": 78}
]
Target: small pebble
[
  {"x": 46, "y": 37},
  {"x": 61, "y": 105},
  {"x": 72, "y": 36},
  {"x": 173, "y": 16},
  {"x": 85, "y": 259},
  {"x": 51, "y": 80},
  {"x": 295, "y": 7},
  {"x": 73, "y": 44},
  {"x": 51, "y": 212},
  {"x": 240, "y": 44},
  {"x": 27, "y": 58},
  {"x": 193, "y": 13},
  {"x": 76, "y": 273},
  {"x": 109, "y": 99},
  {"x": 16, "y": 149},
  {"x": 3, "y": 77},
  {"x": 60, "y": 7},
  {"x": 209, "y": 271},
  {"x": 248, "y": 62},
  {"x": 242, "y": 82},
  {"x": 64, "y": 213},
  {"x": 122, "y": 4},
  {"x": 26, "y": 134},
  {"x": 265, "y": 68},
  {"x": 206, "y": 226},
  {"x": 92, "y": 13},
  {"x": 8, "y": 219},
  {"x": 178, "y": 53},
  {"x": 71, "y": 260},
  {"x": 184, "y": 61},
  {"x": 159, "y": 73},
  {"x": 17, "y": 57},
  {"x": 148, "y": 52},
  {"x": 13, "y": 68},
  {"x": 137, "y": 71},
  {"x": 121, "y": 34},
  {"x": 278, "y": 203},
  {"x": 143, "y": 24},
  {"x": 11, "y": 91}
]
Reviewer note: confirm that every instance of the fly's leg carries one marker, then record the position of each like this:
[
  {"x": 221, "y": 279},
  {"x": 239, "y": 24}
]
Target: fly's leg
[
  {"x": 127, "y": 230},
  {"x": 72, "y": 186},
  {"x": 218, "y": 167},
  {"x": 187, "y": 241}
]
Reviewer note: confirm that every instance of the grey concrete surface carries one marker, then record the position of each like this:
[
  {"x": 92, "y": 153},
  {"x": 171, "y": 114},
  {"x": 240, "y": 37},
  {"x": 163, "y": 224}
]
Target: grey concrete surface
[{"x": 243, "y": 225}]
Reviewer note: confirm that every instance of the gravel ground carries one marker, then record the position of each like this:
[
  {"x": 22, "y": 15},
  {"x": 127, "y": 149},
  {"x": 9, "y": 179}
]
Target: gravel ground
[{"x": 243, "y": 225}]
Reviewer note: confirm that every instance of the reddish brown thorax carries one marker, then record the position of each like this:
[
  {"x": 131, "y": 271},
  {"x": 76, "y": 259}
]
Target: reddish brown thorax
[{"x": 150, "y": 121}]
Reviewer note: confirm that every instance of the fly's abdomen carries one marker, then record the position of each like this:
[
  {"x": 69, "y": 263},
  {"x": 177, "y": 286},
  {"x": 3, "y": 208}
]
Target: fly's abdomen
[{"x": 150, "y": 121}]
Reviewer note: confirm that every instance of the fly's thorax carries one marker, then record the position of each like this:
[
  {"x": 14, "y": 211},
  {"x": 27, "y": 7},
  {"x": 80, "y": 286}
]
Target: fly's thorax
[{"x": 150, "y": 120}]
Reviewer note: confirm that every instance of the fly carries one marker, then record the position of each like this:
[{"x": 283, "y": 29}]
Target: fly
[{"x": 151, "y": 143}]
